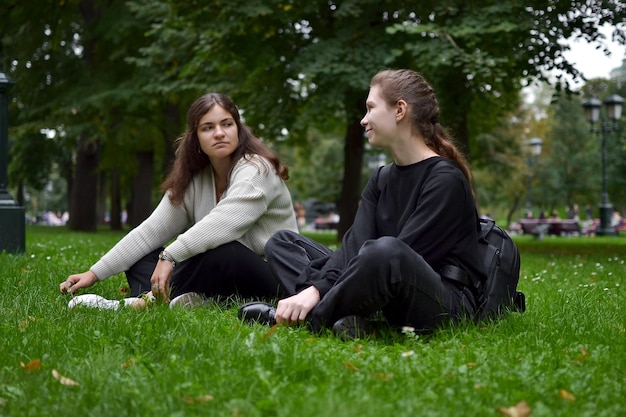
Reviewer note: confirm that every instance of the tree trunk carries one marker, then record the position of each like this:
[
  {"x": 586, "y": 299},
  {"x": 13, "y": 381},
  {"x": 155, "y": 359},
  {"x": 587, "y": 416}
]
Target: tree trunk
[
  {"x": 116, "y": 200},
  {"x": 351, "y": 183},
  {"x": 102, "y": 198},
  {"x": 67, "y": 174},
  {"x": 83, "y": 207},
  {"x": 141, "y": 199}
]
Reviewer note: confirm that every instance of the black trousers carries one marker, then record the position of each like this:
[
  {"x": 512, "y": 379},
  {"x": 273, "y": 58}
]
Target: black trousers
[
  {"x": 226, "y": 270},
  {"x": 386, "y": 275}
]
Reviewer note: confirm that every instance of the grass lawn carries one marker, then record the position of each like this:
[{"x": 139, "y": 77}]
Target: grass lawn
[{"x": 566, "y": 356}]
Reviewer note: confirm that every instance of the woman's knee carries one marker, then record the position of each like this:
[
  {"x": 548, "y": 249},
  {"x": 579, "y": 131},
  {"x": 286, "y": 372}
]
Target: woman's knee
[
  {"x": 389, "y": 252},
  {"x": 385, "y": 247},
  {"x": 278, "y": 240}
]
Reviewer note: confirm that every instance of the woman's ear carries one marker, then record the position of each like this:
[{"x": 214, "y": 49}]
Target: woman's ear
[{"x": 401, "y": 110}]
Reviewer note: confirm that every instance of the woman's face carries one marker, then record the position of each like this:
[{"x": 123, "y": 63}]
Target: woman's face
[
  {"x": 380, "y": 120},
  {"x": 218, "y": 134}
]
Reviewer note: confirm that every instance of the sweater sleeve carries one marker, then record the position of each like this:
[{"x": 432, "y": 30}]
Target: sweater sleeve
[
  {"x": 251, "y": 189},
  {"x": 164, "y": 223}
]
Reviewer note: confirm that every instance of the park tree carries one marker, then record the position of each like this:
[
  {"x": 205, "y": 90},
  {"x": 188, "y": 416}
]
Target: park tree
[
  {"x": 570, "y": 166},
  {"x": 299, "y": 64},
  {"x": 71, "y": 76},
  {"x": 291, "y": 65}
]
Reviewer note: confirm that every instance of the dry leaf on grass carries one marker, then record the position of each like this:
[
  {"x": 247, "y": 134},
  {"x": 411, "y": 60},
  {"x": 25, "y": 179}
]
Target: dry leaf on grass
[
  {"x": 270, "y": 332},
  {"x": 200, "y": 399},
  {"x": 23, "y": 324},
  {"x": 33, "y": 365},
  {"x": 350, "y": 366},
  {"x": 63, "y": 379},
  {"x": 129, "y": 363},
  {"x": 566, "y": 395},
  {"x": 383, "y": 377},
  {"x": 521, "y": 409},
  {"x": 584, "y": 353}
]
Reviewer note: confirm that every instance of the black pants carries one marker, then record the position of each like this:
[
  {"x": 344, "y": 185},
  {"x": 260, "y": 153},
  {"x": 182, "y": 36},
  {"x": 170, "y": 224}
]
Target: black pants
[
  {"x": 226, "y": 270},
  {"x": 386, "y": 275}
]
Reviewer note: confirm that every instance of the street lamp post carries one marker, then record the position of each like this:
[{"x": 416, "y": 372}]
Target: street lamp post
[
  {"x": 12, "y": 222},
  {"x": 613, "y": 105},
  {"x": 534, "y": 145}
]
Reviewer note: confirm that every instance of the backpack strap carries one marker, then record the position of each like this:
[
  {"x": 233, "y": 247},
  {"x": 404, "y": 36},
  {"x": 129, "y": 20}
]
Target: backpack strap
[
  {"x": 383, "y": 174},
  {"x": 454, "y": 273}
]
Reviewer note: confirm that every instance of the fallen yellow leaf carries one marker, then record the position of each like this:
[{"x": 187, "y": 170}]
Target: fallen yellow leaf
[
  {"x": 350, "y": 366},
  {"x": 200, "y": 399},
  {"x": 63, "y": 379},
  {"x": 383, "y": 377},
  {"x": 32, "y": 365},
  {"x": 270, "y": 332},
  {"x": 521, "y": 409},
  {"x": 566, "y": 395},
  {"x": 129, "y": 363},
  {"x": 583, "y": 355}
]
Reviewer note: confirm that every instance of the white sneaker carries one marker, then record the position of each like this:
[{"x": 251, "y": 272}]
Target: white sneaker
[
  {"x": 96, "y": 301},
  {"x": 188, "y": 300}
]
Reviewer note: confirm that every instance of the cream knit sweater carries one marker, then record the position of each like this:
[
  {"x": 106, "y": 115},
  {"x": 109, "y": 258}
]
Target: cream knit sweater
[{"x": 255, "y": 205}]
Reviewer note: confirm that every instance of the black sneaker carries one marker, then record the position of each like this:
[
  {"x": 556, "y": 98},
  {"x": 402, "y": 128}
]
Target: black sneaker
[{"x": 352, "y": 327}]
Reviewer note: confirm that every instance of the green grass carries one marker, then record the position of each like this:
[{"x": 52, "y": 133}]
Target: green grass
[{"x": 566, "y": 356}]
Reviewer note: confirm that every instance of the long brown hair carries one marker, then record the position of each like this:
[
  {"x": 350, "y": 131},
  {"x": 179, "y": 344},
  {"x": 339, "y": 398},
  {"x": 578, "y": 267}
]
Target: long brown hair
[
  {"x": 189, "y": 156},
  {"x": 410, "y": 86}
]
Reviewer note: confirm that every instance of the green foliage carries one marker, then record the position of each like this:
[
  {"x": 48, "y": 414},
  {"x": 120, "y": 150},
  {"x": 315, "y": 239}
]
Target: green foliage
[
  {"x": 569, "y": 169},
  {"x": 111, "y": 70},
  {"x": 315, "y": 168},
  {"x": 206, "y": 362}
]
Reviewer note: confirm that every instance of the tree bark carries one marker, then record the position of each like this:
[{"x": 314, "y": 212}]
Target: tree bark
[
  {"x": 141, "y": 199},
  {"x": 101, "y": 205},
  {"x": 83, "y": 207},
  {"x": 351, "y": 183},
  {"x": 116, "y": 200}
]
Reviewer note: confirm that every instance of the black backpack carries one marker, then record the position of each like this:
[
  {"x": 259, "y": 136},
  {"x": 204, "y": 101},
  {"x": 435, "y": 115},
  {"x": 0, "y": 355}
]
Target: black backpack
[{"x": 501, "y": 263}]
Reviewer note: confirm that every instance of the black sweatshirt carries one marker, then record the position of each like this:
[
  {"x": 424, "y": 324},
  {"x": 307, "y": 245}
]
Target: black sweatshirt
[{"x": 428, "y": 205}]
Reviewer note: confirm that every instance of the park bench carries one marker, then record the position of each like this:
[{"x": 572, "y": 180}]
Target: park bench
[
  {"x": 564, "y": 227},
  {"x": 541, "y": 227},
  {"x": 534, "y": 227},
  {"x": 591, "y": 228}
]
